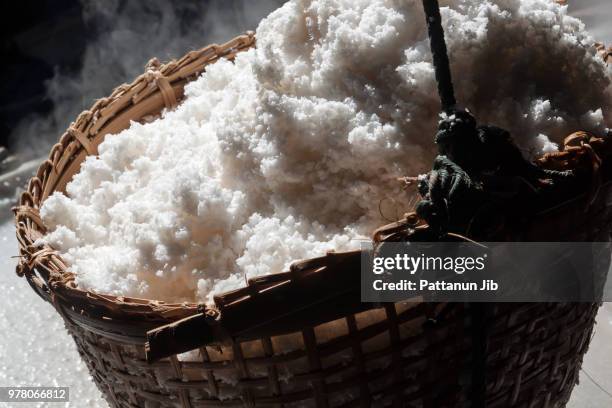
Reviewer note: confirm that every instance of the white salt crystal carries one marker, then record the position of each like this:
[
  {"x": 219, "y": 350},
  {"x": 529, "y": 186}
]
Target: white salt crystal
[
  {"x": 545, "y": 145},
  {"x": 288, "y": 152}
]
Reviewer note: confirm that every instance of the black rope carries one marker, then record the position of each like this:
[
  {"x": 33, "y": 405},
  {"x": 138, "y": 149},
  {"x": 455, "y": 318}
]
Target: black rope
[{"x": 440, "y": 56}]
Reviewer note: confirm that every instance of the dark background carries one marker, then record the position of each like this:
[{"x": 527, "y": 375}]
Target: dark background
[
  {"x": 58, "y": 56},
  {"x": 37, "y": 38}
]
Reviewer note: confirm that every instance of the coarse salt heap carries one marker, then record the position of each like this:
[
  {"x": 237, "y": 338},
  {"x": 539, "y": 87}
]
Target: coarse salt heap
[{"x": 289, "y": 151}]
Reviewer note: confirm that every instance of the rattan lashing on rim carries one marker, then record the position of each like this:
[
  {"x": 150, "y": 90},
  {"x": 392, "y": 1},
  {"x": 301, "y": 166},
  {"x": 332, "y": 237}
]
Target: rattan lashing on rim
[
  {"x": 161, "y": 86},
  {"x": 402, "y": 355}
]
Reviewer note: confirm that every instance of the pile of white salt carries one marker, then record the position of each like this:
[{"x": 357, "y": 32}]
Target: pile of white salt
[{"x": 289, "y": 151}]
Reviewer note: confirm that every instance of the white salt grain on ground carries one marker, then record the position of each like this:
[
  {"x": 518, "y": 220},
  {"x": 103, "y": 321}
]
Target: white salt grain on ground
[
  {"x": 35, "y": 348},
  {"x": 288, "y": 152}
]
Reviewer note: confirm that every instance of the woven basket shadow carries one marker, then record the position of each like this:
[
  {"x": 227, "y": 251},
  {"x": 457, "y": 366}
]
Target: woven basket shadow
[{"x": 302, "y": 338}]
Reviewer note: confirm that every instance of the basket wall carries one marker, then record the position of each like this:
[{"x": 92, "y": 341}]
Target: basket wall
[
  {"x": 532, "y": 359},
  {"x": 402, "y": 355}
]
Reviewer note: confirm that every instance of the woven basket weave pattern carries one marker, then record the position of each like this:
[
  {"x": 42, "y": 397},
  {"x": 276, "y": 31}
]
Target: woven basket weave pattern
[
  {"x": 529, "y": 363},
  {"x": 385, "y": 356}
]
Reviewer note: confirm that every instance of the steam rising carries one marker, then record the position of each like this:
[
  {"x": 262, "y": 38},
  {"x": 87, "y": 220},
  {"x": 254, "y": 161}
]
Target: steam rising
[{"x": 128, "y": 34}]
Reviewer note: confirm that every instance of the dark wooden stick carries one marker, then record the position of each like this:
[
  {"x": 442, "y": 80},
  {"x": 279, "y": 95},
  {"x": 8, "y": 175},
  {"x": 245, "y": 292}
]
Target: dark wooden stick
[
  {"x": 178, "y": 337},
  {"x": 440, "y": 56}
]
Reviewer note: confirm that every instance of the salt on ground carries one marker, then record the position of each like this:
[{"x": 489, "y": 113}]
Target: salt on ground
[{"x": 288, "y": 152}]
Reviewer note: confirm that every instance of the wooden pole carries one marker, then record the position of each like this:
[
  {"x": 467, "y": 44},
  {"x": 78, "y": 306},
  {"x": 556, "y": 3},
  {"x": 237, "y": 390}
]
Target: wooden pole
[{"x": 440, "y": 56}]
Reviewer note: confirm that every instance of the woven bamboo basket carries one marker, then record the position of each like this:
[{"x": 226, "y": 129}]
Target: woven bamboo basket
[{"x": 301, "y": 338}]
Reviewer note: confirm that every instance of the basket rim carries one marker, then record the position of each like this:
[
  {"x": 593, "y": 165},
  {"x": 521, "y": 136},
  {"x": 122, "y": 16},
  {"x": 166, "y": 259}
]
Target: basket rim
[{"x": 44, "y": 268}]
